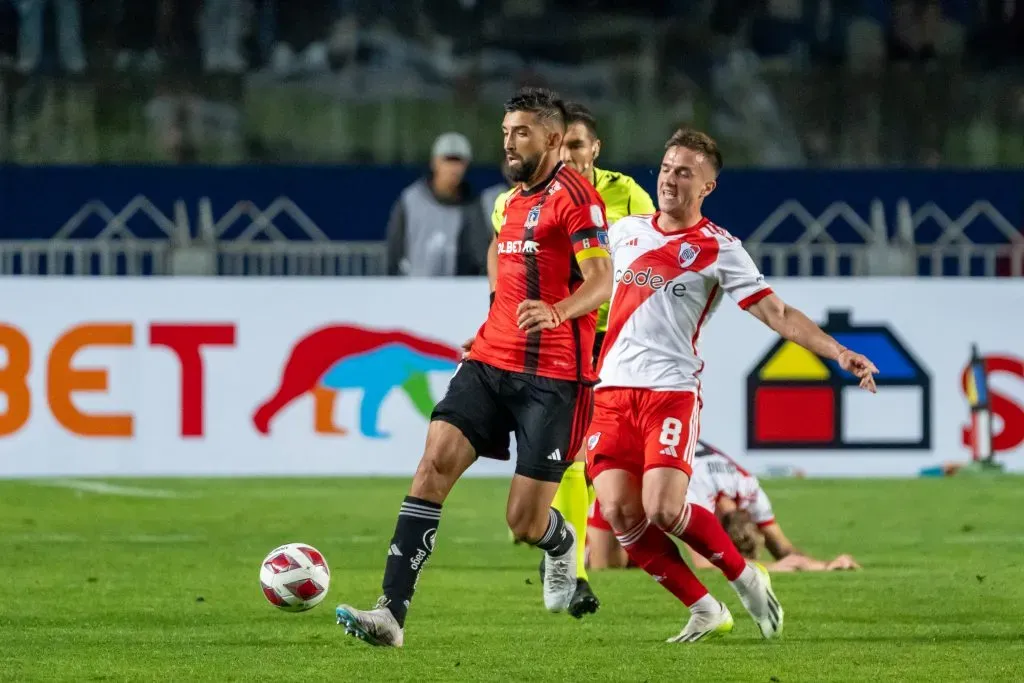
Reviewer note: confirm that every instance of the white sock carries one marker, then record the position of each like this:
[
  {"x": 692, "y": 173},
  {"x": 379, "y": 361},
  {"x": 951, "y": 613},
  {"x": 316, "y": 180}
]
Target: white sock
[
  {"x": 746, "y": 579},
  {"x": 707, "y": 605}
]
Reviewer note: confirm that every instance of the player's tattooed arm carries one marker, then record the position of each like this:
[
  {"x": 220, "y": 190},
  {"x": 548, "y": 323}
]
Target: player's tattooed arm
[
  {"x": 792, "y": 324},
  {"x": 777, "y": 543},
  {"x": 791, "y": 559},
  {"x": 595, "y": 290},
  {"x": 803, "y": 563}
]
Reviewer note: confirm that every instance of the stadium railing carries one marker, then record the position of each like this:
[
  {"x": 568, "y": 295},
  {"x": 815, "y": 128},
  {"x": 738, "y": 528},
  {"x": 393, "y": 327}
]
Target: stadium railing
[
  {"x": 158, "y": 257},
  {"x": 261, "y": 249},
  {"x": 814, "y": 252},
  {"x": 908, "y": 249},
  {"x": 334, "y": 259},
  {"x": 290, "y": 220}
]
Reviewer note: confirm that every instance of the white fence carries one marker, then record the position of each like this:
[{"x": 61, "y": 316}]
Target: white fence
[
  {"x": 156, "y": 257},
  {"x": 885, "y": 251},
  {"x": 262, "y": 249}
]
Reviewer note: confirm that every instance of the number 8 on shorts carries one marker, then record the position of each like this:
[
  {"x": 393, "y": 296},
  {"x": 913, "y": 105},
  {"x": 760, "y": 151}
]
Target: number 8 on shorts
[
  {"x": 674, "y": 416},
  {"x": 639, "y": 429}
]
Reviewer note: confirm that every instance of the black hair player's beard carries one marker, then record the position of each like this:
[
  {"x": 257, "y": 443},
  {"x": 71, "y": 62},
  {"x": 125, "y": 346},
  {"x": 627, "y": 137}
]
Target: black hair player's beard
[{"x": 527, "y": 167}]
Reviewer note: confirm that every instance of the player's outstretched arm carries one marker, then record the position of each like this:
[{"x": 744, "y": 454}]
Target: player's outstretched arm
[
  {"x": 805, "y": 563},
  {"x": 793, "y": 325},
  {"x": 776, "y": 542},
  {"x": 790, "y": 559},
  {"x": 595, "y": 290}
]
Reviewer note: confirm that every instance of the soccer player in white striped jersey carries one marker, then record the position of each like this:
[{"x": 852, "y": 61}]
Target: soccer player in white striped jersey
[
  {"x": 670, "y": 269},
  {"x": 723, "y": 486}
]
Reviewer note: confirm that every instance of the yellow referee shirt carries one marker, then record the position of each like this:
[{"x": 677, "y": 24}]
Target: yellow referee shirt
[{"x": 622, "y": 197}]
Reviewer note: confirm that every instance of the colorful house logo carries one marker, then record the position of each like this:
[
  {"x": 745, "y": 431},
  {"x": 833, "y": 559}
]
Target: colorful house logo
[
  {"x": 340, "y": 358},
  {"x": 797, "y": 400}
]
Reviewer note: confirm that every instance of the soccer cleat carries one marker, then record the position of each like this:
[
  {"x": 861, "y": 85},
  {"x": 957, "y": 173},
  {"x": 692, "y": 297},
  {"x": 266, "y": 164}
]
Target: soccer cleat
[
  {"x": 560, "y": 577},
  {"x": 705, "y": 626},
  {"x": 759, "y": 599},
  {"x": 377, "y": 626},
  {"x": 583, "y": 600}
]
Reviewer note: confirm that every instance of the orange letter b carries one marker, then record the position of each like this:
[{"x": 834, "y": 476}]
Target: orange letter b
[{"x": 14, "y": 380}]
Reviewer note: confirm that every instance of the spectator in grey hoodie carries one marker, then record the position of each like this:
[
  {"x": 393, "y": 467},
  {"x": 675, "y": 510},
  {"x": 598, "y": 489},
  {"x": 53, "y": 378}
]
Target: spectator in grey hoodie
[{"x": 437, "y": 226}]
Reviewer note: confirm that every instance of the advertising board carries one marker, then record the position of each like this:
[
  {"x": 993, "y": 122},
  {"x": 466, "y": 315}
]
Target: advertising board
[{"x": 304, "y": 377}]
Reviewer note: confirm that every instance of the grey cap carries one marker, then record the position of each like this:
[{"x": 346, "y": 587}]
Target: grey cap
[{"x": 452, "y": 145}]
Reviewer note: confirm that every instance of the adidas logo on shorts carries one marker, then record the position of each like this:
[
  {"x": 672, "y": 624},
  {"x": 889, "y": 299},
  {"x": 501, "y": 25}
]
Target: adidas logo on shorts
[
  {"x": 670, "y": 451},
  {"x": 556, "y": 455}
]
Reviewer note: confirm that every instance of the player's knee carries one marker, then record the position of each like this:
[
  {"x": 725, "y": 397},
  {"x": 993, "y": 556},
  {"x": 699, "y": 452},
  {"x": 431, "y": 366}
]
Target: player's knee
[
  {"x": 622, "y": 515},
  {"x": 664, "y": 515},
  {"x": 664, "y": 501},
  {"x": 430, "y": 481}
]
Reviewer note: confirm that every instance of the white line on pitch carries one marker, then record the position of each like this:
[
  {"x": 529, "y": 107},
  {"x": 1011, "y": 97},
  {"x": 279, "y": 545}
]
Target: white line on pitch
[
  {"x": 106, "y": 489},
  {"x": 986, "y": 539},
  {"x": 79, "y": 538}
]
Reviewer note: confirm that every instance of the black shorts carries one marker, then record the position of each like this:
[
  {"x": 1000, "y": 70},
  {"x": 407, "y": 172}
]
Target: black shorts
[{"x": 548, "y": 416}]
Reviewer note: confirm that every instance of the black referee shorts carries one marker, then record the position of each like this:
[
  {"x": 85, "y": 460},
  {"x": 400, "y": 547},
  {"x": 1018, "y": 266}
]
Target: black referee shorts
[{"x": 548, "y": 416}]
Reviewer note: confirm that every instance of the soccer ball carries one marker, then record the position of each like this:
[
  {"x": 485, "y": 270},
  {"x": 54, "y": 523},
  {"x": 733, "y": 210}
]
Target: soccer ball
[{"x": 295, "y": 577}]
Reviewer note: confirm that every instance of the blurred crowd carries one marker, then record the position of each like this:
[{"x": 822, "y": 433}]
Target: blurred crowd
[
  {"x": 295, "y": 36},
  {"x": 224, "y": 35},
  {"x": 779, "y": 82}
]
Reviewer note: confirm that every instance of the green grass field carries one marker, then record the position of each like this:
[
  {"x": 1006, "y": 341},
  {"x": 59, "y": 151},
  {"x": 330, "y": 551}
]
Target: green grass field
[{"x": 116, "y": 587}]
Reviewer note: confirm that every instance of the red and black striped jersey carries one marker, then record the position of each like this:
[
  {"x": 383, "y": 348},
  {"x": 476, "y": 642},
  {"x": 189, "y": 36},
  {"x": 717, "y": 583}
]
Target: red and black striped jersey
[{"x": 547, "y": 232}]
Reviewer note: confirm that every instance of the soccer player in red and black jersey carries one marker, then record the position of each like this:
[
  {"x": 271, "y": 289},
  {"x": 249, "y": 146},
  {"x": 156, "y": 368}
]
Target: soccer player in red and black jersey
[{"x": 527, "y": 371}]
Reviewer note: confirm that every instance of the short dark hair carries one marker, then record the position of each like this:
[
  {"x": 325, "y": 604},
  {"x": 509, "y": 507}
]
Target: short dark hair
[
  {"x": 698, "y": 142},
  {"x": 578, "y": 113},
  {"x": 543, "y": 103}
]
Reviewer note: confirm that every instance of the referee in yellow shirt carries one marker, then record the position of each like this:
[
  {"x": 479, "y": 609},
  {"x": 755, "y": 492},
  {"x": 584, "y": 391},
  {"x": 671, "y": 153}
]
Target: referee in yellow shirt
[{"x": 622, "y": 197}]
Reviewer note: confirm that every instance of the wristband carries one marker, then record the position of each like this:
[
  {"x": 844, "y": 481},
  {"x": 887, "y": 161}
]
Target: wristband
[{"x": 557, "y": 316}]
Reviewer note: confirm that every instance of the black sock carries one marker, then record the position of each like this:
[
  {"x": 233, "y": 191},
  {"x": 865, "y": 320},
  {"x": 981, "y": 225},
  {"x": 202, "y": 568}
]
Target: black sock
[
  {"x": 556, "y": 540},
  {"x": 408, "y": 553}
]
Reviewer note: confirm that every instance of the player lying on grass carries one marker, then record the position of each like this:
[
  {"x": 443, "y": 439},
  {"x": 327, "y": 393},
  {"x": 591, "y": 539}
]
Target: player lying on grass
[
  {"x": 527, "y": 370},
  {"x": 670, "y": 270},
  {"x": 622, "y": 197},
  {"x": 749, "y": 537},
  {"x": 721, "y": 485}
]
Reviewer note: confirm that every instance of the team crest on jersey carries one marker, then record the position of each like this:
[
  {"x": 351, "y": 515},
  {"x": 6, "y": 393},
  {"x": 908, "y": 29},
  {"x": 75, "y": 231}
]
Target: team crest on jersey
[
  {"x": 688, "y": 253},
  {"x": 532, "y": 218}
]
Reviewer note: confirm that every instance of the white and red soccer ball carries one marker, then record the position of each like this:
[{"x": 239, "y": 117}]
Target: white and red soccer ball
[{"x": 295, "y": 577}]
